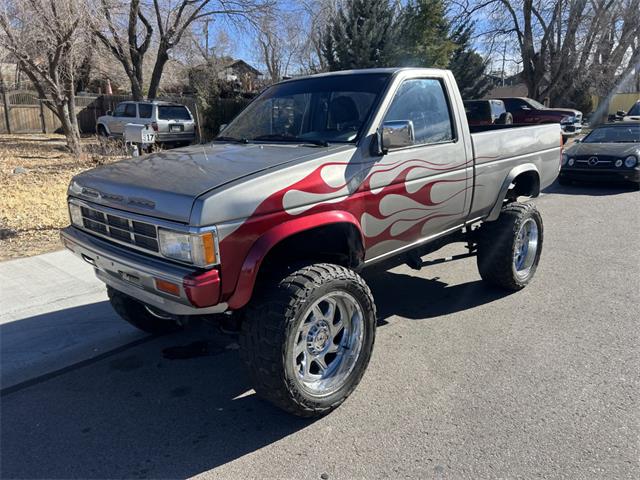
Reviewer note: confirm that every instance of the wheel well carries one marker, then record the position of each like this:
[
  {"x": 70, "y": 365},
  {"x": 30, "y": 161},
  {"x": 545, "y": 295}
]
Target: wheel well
[
  {"x": 527, "y": 184},
  {"x": 339, "y": 243}
]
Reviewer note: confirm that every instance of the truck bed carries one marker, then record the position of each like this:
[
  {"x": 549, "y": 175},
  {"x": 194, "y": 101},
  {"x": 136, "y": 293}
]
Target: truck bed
[{"x": 499, "y": 148}]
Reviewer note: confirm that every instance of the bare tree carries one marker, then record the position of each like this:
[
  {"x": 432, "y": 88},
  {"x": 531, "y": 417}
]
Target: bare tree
[
  {"x": 45, "y": 37},
  {"x": 280, "y": 41},
  {"x": 566, "y": 45},
  {"x": 172, "y": 20},
  {"x": 129, "y": 50}
]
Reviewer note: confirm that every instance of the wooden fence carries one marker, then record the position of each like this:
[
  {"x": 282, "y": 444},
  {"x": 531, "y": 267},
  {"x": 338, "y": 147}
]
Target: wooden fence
[{"x": 23, "y": 112}]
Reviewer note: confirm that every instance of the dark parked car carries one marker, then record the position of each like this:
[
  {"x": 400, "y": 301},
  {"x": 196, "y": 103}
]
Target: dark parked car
[
  {"x": 487, "y": 112},
  {"x": 609, "y": 153},
  {"x": 527, "y": 110}
]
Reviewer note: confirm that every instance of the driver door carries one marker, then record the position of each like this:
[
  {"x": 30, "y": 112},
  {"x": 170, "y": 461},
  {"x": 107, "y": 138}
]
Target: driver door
[{"x": 421, "y": 189}]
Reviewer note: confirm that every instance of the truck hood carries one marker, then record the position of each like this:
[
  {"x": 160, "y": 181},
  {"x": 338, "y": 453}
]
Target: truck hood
[
  {"x": 621, "y": 150},
  {"x": 166, "y": 184}
]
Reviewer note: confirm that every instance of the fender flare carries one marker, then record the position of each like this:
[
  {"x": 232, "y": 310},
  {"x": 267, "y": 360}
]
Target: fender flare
[
  {"x": 105, "y": 127},
  {"x": 263, "y": 245},
  {"x": 515, "y": 171}
]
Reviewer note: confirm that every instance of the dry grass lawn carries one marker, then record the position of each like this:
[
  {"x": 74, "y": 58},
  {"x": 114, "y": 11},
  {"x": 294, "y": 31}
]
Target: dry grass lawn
[{"x": 33, "y": 204}]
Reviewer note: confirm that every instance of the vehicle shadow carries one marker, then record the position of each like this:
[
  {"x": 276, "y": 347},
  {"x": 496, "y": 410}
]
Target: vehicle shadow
[
  {"x": 591, "y": 188},
  {"x": 136, "y": 413},
  {"x": 419, "y": 298}
]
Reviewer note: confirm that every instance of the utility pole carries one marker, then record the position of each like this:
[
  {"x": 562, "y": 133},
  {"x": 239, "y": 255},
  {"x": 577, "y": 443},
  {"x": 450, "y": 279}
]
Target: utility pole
[{"x": 504, "y": 56}]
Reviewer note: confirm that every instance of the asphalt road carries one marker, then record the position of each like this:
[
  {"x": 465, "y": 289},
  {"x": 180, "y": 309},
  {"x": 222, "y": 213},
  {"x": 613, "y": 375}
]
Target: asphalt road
[{"x": 465, "y": 381}]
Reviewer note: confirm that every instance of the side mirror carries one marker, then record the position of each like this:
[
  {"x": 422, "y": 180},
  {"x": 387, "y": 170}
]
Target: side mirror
[
  {"x": 577, "y": 140},
  {"x": 397, "y": 134},
  {"x": 222, "y": 127},
  {"x": 109, "y": 113},
  {"x": 621, "y": 113}
]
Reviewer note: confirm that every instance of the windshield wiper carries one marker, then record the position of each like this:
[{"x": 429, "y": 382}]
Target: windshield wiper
[
  {"x": 230, "y": 139},
  {"x": 289, "y": 138}
]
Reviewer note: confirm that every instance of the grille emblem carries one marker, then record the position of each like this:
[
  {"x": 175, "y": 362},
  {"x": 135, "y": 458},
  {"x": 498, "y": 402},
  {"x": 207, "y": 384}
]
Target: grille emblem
[{"x": 593, "y": 161}]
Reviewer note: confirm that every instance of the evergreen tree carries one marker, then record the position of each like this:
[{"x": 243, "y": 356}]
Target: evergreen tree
[
  {"x": 361, "y": 34},
  {"x": 468, "y": 66},
  {"x": 425, "y": 38}
]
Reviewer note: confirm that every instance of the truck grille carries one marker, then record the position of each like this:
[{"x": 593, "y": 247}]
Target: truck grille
[{"x": 122, "y": 229}]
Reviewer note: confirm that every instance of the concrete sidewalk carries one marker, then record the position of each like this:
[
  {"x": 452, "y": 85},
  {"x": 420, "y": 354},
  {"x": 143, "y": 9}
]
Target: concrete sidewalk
[{"x": 53, "y": 313}]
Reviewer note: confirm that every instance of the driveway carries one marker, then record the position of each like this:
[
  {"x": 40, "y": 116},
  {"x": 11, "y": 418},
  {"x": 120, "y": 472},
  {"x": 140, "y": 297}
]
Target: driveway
[{"x": 465, "y": 380}]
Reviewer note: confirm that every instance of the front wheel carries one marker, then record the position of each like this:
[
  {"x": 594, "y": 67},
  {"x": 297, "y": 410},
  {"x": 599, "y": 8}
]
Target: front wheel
[
  {"x": 307, "y": 338},
  {"x": 509, "y": 249}
]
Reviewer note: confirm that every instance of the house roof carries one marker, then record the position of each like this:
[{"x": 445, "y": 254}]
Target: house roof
[{"x": 237, "y": 63}]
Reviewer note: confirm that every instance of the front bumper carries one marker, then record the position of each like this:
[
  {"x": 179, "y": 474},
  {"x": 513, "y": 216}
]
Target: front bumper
[
  {"x": 135, "y": 275},
  {"x": 175, "y": 137},
  {"x": 601, "y": 174}
]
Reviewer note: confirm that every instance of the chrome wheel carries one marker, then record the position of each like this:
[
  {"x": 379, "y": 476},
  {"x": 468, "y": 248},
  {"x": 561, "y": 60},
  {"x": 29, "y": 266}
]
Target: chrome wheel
[
  {"x": 327, "y": 343},
  {"x": 526, "y": 248}
]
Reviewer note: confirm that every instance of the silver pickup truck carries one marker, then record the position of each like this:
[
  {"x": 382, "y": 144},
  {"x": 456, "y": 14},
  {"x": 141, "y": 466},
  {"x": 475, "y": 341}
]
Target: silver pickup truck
[{"x": 316, "y": 179}]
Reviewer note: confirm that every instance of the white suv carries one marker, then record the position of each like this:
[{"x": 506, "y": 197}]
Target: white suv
[{"x": 172, "y": 122}]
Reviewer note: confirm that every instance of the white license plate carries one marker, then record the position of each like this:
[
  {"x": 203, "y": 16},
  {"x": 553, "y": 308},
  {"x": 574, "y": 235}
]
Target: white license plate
[
  {"x": 175, "y": 128},
  {"x": 148, "y": 137}
]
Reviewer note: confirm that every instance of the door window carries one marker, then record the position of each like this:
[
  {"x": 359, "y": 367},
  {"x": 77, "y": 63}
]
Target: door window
[
  {"x": 423, "y": 101},
  {"x": 119, "y": 111},
  {"x": 144, "y": 110},
  {"x": 130, "y": 110}
]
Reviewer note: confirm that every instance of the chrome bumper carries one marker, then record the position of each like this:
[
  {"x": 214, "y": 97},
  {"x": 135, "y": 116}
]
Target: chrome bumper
[{"x": 134, "y": 274}]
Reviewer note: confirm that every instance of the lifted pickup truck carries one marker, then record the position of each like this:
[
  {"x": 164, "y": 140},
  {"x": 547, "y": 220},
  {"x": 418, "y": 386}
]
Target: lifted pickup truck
[{"x": 316, "y": 179}]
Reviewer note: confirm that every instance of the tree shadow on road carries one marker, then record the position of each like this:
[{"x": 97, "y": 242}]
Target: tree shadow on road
[{"x": 137, "y": 414}]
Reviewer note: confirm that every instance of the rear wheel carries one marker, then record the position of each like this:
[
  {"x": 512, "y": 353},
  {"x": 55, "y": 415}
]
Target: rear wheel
[
  {"x": 509, "y": 249},
  {"x": 141, "y": 316},
  {"x": 307, "y": 338}
]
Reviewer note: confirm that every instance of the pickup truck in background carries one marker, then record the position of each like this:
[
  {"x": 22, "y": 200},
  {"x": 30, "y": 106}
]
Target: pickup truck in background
[
  {"x": 487, "y": 112},
  {"x": 528, "y": 111},
  {"x": 318, "y": 178}
]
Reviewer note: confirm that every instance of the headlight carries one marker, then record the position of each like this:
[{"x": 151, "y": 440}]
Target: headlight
[
  {"x": 196, "y": 248},
  {"x": 630, "y": 161},
  {"x": 564, "y": 158},
  {"x": 568, "y": 119},
  {"x": 571, "y": 162},
  {"x": 75, "y": 214}
]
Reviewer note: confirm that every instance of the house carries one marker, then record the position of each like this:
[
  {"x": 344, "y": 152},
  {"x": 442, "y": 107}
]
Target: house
[{"x": 239, "y": 72}]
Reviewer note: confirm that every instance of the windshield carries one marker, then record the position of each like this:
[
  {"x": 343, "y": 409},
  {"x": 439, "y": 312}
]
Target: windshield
[
  {"x": 635, "y": 110},
  {"x": 626, "y": 134},
  {"x": 535, "y": 104},
  {"x": 318, "y": 110}
]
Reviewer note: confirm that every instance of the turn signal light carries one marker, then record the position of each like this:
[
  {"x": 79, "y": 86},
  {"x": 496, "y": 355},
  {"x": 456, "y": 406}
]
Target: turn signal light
[
  {"x": 167, "y": 287},
  {"x": 209, "y": 248}
]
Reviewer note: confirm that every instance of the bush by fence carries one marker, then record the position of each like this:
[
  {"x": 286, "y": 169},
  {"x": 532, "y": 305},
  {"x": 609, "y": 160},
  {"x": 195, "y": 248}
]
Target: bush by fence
[{"x": 26, "y": 113}]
